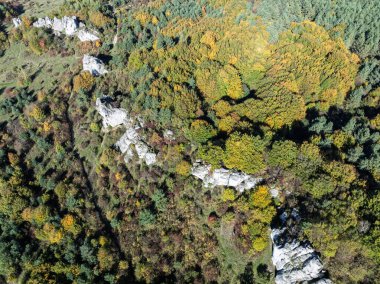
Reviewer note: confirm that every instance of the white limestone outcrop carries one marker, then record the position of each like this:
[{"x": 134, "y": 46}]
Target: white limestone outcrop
[
  {"x": 112, "y": 117},
  {"x": 17, "y": 22},
  {"x": 274, "y": 192},
  {"x": 295, "y": 262},
  {"x": 223, "y": 177},
  {"x": 131, "y": 142},
  {"x": 85, "y": 35},
  {"x": 131, "y": 138},
  {"x": 94, "y": 65},
  {"x": 323, "y": 281},
  {"x": 69, "y": 26},
  {"x": 169, "y": 135}
]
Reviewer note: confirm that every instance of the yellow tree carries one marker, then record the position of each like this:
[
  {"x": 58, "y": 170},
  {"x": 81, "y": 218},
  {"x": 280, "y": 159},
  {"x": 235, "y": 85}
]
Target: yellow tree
[
  {"x": 307, "y": 69},
  {"x": 245, "y": 153}
]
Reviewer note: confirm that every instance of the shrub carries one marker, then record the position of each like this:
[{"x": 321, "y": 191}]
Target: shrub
[
  {"x": 84, "y": 81},
  {"x": 98, "y": 19},
  {"x": 228, "y": 195},
  {"x": 183, "y": 168}
]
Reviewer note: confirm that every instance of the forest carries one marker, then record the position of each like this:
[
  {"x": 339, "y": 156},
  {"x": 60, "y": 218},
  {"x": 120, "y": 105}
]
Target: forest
[{"x": 287, "y": 92}]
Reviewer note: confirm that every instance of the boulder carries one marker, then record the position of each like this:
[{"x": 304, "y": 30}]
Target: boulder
[
  {"x": 67, "y": 25},
  {"x": 85, "y": 35},
  {"x": 43, "y": 23},
  {"x": 94, "y": 65},
  {"x": 16, "y": 22},
  {"x": 124, "y": 143},
  {"x": 112, "y": 117},
  {"x": 200, "y": 170},
  {"x": 144, "y": 153},
  {"x": 274, "y": 192},
  {"x": 150, "y": 158},
  {"x": 323, "y": 281},
  {"x": 169, "y": 135}
]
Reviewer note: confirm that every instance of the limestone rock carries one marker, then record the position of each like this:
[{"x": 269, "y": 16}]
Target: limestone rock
[
  {"x": 274, "y": 192},
  {"x": 200, "y": 170},
  {"x": 94, "y": 65},
  {"x": 131, "y": 139},
  {"x": 85, "y": 35},
  {"x": 295, "y": 261},
  {"x": 323, "y": 281},
  {"x": 115, "y": 39},
  {"x": 43, "y": 23},
  {"x": 16, "y": 22},
  {"x": 223, "y": 177},
  {"x": 112, "y": 117},
  {"x": 150, "y": 158},
  {"x": 169, "y": 135},
  {"x": 67, "y": 25}
]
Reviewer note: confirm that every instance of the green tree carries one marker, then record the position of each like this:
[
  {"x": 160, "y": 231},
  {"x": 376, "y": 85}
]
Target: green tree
[{"x": 283, "y": 154}]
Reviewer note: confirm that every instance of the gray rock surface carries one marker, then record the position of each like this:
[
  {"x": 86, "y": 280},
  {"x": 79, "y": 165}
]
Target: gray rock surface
[
  {"x": 131, "y": 142},
  {"x": 223, "y": 177},
  {"x": 69, "y": 26},
  {"x": 112, "y": 117},
  {"x": 94, "y": 65},
  {"x": 295, "y": 261},
  {"x": 85, "y": 35},
  {"x": 17, "y": 22},
  {"x": 169, "y": 135},
  {"x": 274, "y": 192}
]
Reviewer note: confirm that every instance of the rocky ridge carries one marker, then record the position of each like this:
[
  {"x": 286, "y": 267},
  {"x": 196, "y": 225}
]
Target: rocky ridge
[
  {"x": 223, "y": 177},
  {"x": 69, "y": 26}
]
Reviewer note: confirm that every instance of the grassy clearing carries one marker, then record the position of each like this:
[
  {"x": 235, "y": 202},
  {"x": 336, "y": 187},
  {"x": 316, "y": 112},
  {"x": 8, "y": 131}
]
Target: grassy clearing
[
  {"x": 235, "y": 262},
  {"x": 36, "y": 71},
  {"x": 40, "y": 8}
]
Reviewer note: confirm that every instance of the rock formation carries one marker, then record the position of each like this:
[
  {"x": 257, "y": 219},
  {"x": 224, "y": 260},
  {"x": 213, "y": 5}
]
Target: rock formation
[
  {"x": 69, "y": 26},
  {"x": 94, "y": 65},
  {"x": 131, "y": 141},
  {"x": 85, "y": 35},
  {"x": 16, "y": 22},
  {"x": 295, "y": 261},
  {"x": 169, "y": 135},
  {"x": 223, "y": 177}
]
